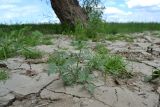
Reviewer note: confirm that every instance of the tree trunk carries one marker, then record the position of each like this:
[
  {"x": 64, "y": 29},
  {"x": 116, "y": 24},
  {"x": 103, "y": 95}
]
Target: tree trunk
[{"x": 69, "y": 11}]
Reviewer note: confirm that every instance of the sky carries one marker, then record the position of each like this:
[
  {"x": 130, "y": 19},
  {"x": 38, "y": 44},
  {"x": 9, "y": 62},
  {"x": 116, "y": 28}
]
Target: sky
[{"x": 40, "y": 11}]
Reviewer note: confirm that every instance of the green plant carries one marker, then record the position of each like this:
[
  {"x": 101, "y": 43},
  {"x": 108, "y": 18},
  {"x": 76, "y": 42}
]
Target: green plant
[
  {"x": 96, "y": 62},
  {"x": 122, "y": 37},
  {"x": 94, "y": 30},
  {"x": 101, "y": 49},
  {"x": 14, "y": 41},
  {"x": 3, "y": 75},
  {"x": 47, "y": 40},
  {"x": 115, "y": 66},
  {"x": 110, "y": 28},
  {"x": 70, "y": 68},
  {"x": 109, "y": 64},
  {"x": 99, "y": 58},
  {"x": 58, "y": 58},
  {"x": 156, "y": 74},
  {"x": 80, "y": 32},
  {"x": 30, "y": 53},
  {"x": 7, "y": 51},
  {"x": 93, "y": 8},
  {"x": 79, "y": 44}
]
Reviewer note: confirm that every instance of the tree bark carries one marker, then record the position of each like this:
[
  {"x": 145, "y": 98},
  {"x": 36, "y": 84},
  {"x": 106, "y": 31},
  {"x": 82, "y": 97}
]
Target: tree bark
[{"x": 69, "y": 12}]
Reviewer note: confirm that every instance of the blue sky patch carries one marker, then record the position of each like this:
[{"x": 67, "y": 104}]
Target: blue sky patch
[{"x": 40, "y": 11}]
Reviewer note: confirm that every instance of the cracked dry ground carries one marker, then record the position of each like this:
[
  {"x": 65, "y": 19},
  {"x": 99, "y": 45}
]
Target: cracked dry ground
[{"x": 30, "y": 85}]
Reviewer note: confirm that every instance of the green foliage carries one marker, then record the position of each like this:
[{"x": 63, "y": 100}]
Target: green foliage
[
  {"x": 101, "y": 49},
  {"x": 3, "y": 75},
  {"x": 110, "y": 28},
  {"x": 94, "y": 30},
  {"x": 97, "y": 29},
  {"x": 14, "y": 41},
  {"x": 7, "y": 51},
  {"x": 79, "y": 44},
  {"x": 58, "y": 58},
  {"x": 70, "y": 69},
  {"x": 96, "y": 62},
  {"x": 156, "y": 74},
  {"x": 156, "y": 34},
  {"x": 44, "y": 28},
  {"x": 30, "y": 53},
  {"x": 76, "y": 68},
  {"x": 115, "y": 66},
  {"x": 108, "y": 64},
  {"x": 122, "y": 37},
  {"x": 47, "y": 40},
  {"x": 93, "y": 9},
  {"x": 80, "y": 32},
  {"x": 113, "y": 28}
]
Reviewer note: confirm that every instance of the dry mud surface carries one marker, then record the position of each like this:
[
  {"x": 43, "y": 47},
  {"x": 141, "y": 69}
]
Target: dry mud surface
[{"x": 29, "y": 85}]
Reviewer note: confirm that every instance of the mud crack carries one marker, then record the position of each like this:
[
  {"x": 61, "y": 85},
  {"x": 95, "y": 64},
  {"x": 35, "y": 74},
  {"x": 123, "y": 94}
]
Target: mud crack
[
  {"x": 81, "y": 97},
  {"x": 116, "y": 94},
  {"x": 67, "y": 94},
  {"x": 18, "y": 97}
]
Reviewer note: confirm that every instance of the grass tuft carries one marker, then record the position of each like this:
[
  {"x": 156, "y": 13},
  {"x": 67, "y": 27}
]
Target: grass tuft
[
  {"x": 14, "y": 41},
  {"x": 121, "y": 37},
  {"x": 3, "y": 75},
  {"x": 30, "y": 53},
  {"x": 109, "y": 64},
  {"x": 101, "y": 49}
]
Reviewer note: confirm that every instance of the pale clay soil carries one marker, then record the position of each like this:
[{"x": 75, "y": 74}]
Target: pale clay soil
[{"x": 29, "y": 85}]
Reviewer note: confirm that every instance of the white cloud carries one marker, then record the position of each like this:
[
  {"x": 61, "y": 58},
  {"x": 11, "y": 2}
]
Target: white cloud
[
  {"x": 142, "y": 3},
  {"x": 136, "y": 16},
  {"x": 18, "y": 12},
  {"x": 29, "y": 11},
  {"x": 114, "y": 10},
  {"x": 7, "y": 6}
]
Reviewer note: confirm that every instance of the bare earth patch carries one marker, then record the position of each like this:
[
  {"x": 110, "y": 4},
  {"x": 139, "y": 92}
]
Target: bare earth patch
[{"x": 29, "y": 84}]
